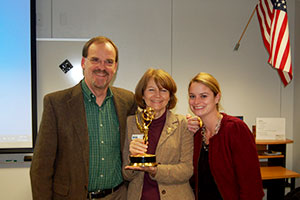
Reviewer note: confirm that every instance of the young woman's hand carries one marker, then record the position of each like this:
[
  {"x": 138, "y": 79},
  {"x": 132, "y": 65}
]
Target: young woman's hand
[{"x": 193, "y": 123}]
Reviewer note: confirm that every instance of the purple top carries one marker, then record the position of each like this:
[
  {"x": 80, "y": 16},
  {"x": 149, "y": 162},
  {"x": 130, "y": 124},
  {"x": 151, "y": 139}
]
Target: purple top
[{"x": 150, "y": 186}]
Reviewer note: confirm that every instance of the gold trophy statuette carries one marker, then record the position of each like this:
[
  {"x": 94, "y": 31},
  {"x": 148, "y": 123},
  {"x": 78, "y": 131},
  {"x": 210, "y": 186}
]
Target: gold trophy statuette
[{"x": 144, "y": 160}]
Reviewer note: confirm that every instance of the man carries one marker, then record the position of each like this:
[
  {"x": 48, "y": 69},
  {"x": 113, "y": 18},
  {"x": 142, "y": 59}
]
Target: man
[{"x": 81, "y": 135}]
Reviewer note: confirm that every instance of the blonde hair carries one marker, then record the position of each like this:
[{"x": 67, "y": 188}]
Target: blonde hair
[{"x": 209, "y": 81}]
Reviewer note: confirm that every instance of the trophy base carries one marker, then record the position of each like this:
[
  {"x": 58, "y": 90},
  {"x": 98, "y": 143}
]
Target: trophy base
[{"x": 143, "y": 160}]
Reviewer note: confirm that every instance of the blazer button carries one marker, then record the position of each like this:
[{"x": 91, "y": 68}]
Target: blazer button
[{"x": 163, "y": 192}]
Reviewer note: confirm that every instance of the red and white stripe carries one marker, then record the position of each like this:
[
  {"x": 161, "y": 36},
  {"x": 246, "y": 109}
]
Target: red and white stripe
[{"x": 275, "y": 33}]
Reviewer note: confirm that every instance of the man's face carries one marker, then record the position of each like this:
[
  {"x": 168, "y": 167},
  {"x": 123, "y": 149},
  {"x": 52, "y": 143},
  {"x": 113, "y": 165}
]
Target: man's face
[{"x": 99, "y": 67}]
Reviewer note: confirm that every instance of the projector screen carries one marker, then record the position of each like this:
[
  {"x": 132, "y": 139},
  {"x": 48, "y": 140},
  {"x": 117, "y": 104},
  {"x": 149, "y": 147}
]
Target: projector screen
[{"x": 18, "y": 76}]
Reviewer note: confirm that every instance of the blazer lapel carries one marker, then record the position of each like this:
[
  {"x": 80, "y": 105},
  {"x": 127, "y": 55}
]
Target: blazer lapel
[
  {"x": 78, "y": 116},
  {"x": 168, "y": 130}
]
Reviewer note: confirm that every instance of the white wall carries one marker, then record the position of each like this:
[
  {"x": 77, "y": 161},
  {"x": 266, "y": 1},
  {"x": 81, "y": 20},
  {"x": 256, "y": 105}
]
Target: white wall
[
  {"x": 15, "y": 183},
  {"x": 182, "y": 37}
]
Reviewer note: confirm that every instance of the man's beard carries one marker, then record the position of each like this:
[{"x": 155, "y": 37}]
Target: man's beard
[{"x": 105, "y": 84}]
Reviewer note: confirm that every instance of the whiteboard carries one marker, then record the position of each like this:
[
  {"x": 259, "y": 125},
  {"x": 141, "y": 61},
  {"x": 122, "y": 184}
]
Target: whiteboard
[{"x": 53, "y": 52}]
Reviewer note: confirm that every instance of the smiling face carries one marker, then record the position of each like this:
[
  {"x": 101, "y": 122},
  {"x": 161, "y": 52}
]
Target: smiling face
[
  {"x": 99, "y": 66},
  {"x": 202, "y": 100},
  {"x": 156, "y": 97}
]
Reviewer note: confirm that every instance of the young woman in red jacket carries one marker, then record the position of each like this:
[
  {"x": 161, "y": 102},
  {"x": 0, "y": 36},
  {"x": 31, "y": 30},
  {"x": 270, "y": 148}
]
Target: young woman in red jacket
[{"x": 226, "y": 163}]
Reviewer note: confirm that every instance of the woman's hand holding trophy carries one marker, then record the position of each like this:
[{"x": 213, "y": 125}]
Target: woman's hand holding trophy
[{"x": 139, "y": 159}]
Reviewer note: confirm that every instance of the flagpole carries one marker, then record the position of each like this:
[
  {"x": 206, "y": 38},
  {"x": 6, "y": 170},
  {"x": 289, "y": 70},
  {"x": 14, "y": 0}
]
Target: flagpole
[{"x": 238, "y": 44}]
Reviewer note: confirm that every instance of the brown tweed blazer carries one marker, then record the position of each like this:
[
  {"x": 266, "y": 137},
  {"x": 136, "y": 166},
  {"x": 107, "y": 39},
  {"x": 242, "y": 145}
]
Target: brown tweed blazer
[{"x": 60, "y": 164}]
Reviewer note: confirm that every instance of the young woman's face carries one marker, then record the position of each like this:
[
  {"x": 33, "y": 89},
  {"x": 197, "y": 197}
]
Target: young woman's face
[
  {"x": 156, "y": 97},
  {"x": 202, "y": 100}
]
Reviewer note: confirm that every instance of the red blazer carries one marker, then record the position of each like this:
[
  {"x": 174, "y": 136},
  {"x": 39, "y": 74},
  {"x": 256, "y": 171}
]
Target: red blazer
[{"x": 233, "y": 161}]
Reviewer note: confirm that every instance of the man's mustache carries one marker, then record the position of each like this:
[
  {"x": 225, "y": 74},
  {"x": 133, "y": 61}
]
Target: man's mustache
[{"x": 100, "y": 71}]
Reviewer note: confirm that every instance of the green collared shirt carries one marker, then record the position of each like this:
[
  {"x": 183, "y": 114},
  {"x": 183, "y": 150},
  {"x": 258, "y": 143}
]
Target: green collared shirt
[{"x": 104, "y": 141}]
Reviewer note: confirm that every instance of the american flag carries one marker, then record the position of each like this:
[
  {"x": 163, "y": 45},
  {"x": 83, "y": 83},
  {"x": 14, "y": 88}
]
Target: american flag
[{"x": 273, "y": 21}]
